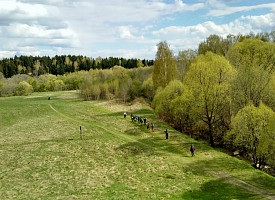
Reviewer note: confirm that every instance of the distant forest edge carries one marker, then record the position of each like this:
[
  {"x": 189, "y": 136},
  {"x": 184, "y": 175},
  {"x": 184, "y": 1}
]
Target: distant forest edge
[{"x": 62, "y": 64}]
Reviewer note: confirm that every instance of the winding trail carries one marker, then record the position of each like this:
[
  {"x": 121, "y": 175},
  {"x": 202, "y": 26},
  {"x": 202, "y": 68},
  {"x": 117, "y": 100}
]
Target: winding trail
[{"x": 225, "y": 176}]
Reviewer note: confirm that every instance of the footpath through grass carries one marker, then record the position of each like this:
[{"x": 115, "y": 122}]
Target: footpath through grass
[{"x": 43, "y": 157}]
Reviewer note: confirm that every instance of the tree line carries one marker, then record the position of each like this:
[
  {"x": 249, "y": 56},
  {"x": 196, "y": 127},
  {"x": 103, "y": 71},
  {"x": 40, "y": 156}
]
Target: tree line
[
  {"x": 63, "y": 64},
  {"x": 227, "y": 99}
]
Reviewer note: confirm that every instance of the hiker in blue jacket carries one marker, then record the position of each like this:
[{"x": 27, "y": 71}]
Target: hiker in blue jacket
[{"x": 152, "y": 126}]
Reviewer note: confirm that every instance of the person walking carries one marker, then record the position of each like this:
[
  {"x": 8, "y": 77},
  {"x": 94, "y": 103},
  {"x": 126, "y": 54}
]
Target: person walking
[
  {"x": 141, "y": 121},
  {"x": 192, "y": 149},
  {"x": 148, "y": 125},
  {"x": 144, "y": 120},
  {"x": 125, "y": 114},
  {"x": 166, "y": 134},
  {"x": 152, "y": 126}
]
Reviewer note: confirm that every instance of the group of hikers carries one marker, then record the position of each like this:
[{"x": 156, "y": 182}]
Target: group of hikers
[
  {"x": 141, "y": 121},
  {"x": 147, "y": 123}
]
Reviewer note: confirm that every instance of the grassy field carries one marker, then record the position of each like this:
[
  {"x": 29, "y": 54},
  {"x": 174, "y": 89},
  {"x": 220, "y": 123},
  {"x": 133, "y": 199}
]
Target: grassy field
[{"x": 43, "y": 157}]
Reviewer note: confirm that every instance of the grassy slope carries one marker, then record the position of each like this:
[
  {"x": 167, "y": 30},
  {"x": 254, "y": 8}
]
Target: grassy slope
[{"x": 43, "y": 157}]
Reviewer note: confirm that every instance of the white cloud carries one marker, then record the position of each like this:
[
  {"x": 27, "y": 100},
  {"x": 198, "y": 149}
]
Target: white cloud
[
  {"x": 7, "y": 54},
  {"x": 46, "y": 2},
  {"x": 125, "y": 33},
  {"x": 262, "y": 22},
  {"x": 218, "y": 8},
  {"x": 36, "y": 31},
  {"x": 203, "y": 30},
  {"x": 147, "y": 53},
  {"x": 184, "y": 37},
  {"x": 128, "y": 33},
  {"x": 11, "y": 11}
]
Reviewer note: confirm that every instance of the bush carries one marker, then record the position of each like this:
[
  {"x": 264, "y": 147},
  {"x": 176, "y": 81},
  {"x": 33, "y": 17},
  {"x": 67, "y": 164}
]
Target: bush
[
  {"x": 147, "y": 89},
  {"x": 8, "y": 88},
  {"x": 23, "y": 89},
  {"x": 164, "y": 97}
]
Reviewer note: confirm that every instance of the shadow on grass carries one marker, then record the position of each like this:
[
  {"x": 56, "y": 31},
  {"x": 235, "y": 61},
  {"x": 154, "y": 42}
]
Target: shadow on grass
[
  {"x": 267, "y": 181},
  {"x": 234, "y": 173},
  {"x": 133, "y": 131},
  {"x": 218, "y": 189},
  {"x": 151, "y": 145},
  {"x": 135, "y": 149}
]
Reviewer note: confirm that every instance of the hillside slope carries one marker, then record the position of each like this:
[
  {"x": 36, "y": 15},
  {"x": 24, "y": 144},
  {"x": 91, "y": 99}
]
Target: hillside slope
[{"x": 43, "y": 156}]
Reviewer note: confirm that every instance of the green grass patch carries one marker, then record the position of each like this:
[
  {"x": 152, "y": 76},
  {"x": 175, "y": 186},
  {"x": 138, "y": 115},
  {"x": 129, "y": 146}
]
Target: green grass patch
[{"x": 43, "y": 156}]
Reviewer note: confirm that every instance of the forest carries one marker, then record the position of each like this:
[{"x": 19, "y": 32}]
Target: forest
[
  {"x": 63, "y": 64},
  {"x": 223, "y": 92}
]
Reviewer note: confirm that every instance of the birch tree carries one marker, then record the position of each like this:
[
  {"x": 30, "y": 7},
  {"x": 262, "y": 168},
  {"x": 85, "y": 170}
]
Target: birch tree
[{"x": 165, "y": 68}]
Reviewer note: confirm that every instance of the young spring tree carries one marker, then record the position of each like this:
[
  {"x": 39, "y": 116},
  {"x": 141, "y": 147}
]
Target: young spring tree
[
  {"x": 165, "y": 69},
  {"x": 250, "y": 132},
  {"x": 184, "y": 59},
  {"x": 208, "y": 78},
  {"x": 254, "y": 61},
  {"x": 163, "y": 98}
]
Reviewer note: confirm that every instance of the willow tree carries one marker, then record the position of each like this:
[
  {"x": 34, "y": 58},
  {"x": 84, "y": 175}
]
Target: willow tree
[
  {"x": 208, "y": 78},
  {"x": 250, "y": 132},
  {"x": 254, "y": 61},
  {"x": 165, "y": 68},
  {"x": 164, "y": 97}
]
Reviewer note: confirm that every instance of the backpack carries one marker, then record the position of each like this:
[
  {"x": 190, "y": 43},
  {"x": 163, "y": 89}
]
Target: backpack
[{"x": 193, "y": 148}]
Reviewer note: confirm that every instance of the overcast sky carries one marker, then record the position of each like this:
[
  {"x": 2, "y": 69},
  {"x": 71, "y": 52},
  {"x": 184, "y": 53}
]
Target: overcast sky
[{"x": 124, "y": 28}]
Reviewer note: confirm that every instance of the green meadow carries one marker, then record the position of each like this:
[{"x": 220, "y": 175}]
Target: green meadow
[{"x": 42, "y": 155}]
